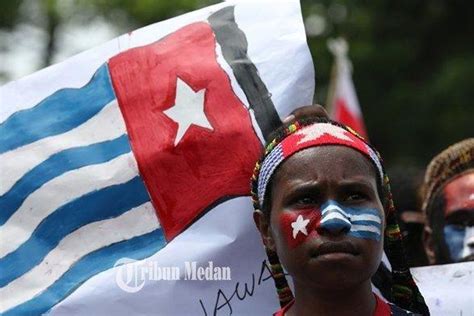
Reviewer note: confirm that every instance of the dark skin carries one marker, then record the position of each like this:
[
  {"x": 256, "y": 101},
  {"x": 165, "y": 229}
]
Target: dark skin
[{"x": 323, "y": 276}]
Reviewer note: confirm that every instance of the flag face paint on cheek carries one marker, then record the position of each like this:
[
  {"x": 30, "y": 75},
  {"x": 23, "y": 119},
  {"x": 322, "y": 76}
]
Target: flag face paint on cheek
[
  {"x": 358, "y": 222},
  {"x": 459, "y": 241},
  {"x": 297, "y": 226}
]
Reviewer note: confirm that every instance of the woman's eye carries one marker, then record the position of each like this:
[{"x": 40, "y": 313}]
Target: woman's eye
[
  {"x": 305, "y": 201},
  {"x": 458, "y": 227},
  {"x": 356, "y": 197}
]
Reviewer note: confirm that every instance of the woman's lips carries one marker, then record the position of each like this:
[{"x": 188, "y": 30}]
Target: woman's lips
[{"x": 343, "y": 248}]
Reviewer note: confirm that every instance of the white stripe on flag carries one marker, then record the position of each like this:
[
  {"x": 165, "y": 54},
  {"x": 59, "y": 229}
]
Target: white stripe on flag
[
  {"x": 366, "y": 217},
  {"x": 107, "y": 124},
  {"x": 335, "y": 215},
  {"x": 237, "y": 89},
  {"x": 335, "y": 208},
  {"x": 365, "y": 228},
  {"x": 58, "y": 192},
  {"x": 345, "y": 88},
  {"x": 136, "y": 222},
  {"x": 278, "y": 68}
]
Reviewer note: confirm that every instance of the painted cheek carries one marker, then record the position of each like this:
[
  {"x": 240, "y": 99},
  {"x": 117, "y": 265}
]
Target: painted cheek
[
  {"x": 288, "y": 222},
  {"x": 454, "y": 238}
]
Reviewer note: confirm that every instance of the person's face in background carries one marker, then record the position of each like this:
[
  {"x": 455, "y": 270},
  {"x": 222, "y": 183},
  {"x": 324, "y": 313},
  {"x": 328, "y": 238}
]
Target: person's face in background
[
  {"x": 459, "y": 217},
  {"x": 451, "y": 235}
]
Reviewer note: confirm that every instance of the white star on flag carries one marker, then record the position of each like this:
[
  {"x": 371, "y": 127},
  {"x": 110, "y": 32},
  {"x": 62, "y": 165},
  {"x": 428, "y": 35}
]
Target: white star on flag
[
  {"x": 315, "y": 131},
  {"x": 299, "y": 226},
  {"x": 188, "y": 109}
]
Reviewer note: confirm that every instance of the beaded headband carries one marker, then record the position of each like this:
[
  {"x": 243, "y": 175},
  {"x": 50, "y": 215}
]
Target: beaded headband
[{"x": 321, "y": 134}]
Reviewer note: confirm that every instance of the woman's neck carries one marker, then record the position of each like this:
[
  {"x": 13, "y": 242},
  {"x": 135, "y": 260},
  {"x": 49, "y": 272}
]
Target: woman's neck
[{"x": 357, "y": 300}]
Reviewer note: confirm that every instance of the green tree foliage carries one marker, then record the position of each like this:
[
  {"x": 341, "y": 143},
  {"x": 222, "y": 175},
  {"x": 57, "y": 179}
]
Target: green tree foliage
[
  {"x": 413, "y": 65},
  {"x": 9, "y": 14},
  {"x": 144, "y": 12}
]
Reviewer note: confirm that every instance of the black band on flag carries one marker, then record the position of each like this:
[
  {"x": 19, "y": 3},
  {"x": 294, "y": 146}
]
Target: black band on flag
[{"x": 234, "y": 49}]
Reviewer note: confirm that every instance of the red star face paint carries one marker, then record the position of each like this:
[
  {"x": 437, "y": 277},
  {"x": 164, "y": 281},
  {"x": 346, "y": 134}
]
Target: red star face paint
[{"x": 299, "y": 225}]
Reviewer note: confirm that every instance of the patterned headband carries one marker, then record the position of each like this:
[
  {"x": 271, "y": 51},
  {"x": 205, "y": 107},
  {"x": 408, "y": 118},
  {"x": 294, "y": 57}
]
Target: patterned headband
[{"x": 318, "y": 134}]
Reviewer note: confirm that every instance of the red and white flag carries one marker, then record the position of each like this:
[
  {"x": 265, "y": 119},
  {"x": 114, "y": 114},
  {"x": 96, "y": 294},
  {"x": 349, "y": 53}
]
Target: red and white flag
[{"x": 343, "y": 103}]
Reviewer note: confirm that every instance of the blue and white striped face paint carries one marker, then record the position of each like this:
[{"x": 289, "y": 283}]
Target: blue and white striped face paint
[
  {"x": 460, "y": 241},
  {"x": 358, "y": 222}
]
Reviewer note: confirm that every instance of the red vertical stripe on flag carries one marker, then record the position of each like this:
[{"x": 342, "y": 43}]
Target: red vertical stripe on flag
[
  {"x": 344, "y": 103},
  {"x": 343, "y": 115}
]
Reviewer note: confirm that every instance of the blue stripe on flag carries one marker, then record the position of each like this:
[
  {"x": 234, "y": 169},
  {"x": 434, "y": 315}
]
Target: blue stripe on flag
[
  {"x": 362, "y": 211},
  {"x": 94, "y": 206},
  {"x": 365, "y": 235},
  {"x": 366, "y": 223},
  {"x": 58, "y": 113},
  {"x": 56, "y": 165},
  {"x": 100, "y": 260}
]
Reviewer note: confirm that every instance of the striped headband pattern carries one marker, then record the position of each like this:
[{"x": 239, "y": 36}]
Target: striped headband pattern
[{"x": 320, "y": 134}]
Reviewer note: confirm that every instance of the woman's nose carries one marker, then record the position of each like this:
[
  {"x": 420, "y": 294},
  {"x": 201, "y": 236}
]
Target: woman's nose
[{"x": 334, "y": 222}]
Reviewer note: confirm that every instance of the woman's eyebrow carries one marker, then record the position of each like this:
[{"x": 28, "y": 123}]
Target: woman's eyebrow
[
  {"x": 303, "y": 188},
  {"x": 358, "y": 184},
  {"x": 460, "y": 214}
]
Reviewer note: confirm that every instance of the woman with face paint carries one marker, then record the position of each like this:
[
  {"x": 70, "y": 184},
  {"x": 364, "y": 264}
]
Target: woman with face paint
[{"x": 324, "y": 210}]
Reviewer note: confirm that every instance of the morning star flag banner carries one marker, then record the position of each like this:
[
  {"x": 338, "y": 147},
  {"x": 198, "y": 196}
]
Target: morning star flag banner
[
  {"x": 343, "y": 102},
  {"x": 124, "y": 171}
]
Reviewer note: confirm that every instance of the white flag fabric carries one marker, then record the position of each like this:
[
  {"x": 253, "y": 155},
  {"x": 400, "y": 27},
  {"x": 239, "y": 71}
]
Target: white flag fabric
[
  {"x": 448, "y": 288},
  {"x": 125, "y": 169}
]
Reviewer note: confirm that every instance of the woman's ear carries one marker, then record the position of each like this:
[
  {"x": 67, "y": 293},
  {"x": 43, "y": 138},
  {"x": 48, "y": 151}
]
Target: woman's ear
[
  {"x": 263, "y": 225},
  {"x": 428, "y": 243}
]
